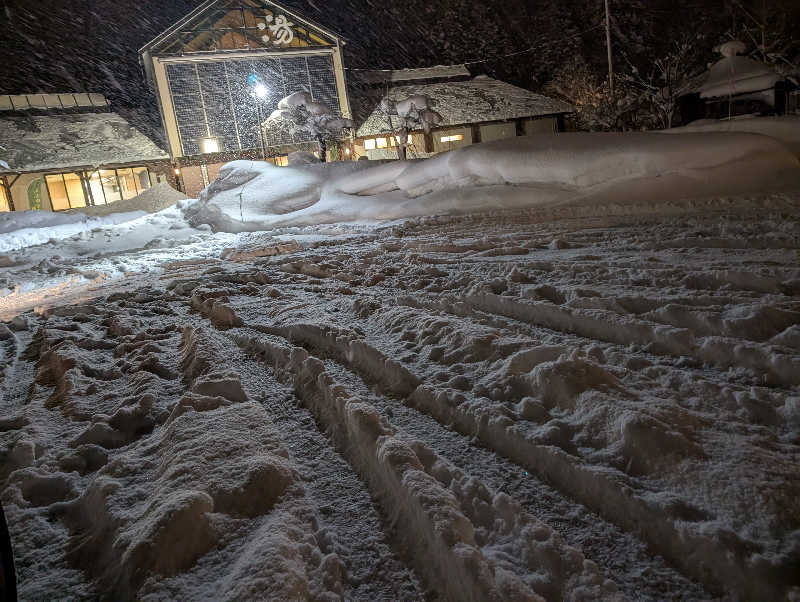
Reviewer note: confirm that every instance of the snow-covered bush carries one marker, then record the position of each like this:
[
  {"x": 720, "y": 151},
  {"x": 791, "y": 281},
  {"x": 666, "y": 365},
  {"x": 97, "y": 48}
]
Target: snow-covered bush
[
  {"x": 301, "y": 115},
  {"x": 413, "y": 113}
]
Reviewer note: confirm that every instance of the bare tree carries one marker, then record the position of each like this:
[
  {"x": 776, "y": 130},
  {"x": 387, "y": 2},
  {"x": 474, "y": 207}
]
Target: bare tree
[
  {"x": 669, "y": 77},
  {"x": 300, "y": 114}
]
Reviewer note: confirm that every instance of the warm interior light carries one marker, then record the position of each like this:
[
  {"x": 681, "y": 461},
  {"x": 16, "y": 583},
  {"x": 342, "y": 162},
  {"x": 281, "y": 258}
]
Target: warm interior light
[
  {"x": 209, "y": 145},
  {"x": 177, "y": 171},
  {"x": 260, "y": 91},
  {"x": 347, "y": 151}
]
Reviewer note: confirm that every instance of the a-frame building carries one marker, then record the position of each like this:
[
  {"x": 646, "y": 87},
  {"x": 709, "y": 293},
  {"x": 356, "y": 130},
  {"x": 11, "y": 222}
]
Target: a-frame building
[{"x": 202, "y": 71}]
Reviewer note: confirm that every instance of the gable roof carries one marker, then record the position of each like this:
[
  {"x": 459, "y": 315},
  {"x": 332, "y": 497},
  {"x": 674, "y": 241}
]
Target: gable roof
[
  {"x": 733, "y": 75},
  {"x": 64, "y": 141},
  {"x": 460, "y": 102},
  {"x": 207, "y": 6}
]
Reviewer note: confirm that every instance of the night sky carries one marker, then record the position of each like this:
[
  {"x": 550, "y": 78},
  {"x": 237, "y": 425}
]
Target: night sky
[{"x": 92, "y": 45}]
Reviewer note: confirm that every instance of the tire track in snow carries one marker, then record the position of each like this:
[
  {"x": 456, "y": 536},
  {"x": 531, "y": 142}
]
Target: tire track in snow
[
  {"x": 621, "y": 557},
  {"x": 372, "y": 570}
]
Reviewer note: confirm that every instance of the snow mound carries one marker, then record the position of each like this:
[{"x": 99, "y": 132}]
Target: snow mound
[
  {"x": 19, "y": 229},
  {"x": 152, "y": 200},
  {"x": 785, "y": 128},
  {"x": 519, "y": 172}
]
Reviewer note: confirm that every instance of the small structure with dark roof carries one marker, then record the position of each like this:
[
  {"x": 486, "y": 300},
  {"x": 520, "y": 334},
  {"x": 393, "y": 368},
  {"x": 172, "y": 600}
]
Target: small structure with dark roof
[
  {"x": 738, "y": 85},
  {"x": 473, "y": 109}
]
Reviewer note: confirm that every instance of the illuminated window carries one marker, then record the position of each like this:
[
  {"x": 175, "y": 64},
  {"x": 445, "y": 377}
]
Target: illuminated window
[
  {"x": 108, "y": 178},
  {"x": 4, "y": 204},
  {"x": 142, "y": 177},
  {"x": 96, "y": 187},
  {"x": 58, "y": 192},
  {"x": 381, "y": 142},
  {"x": 75, "y": 190},
  {"x": 280, "y": 161},
  {"x": 127, "y": 183},
  {"x": 369, "y": 144},
  {"x": 454, "y": 138},
  {"x": 82, "y": 189}
]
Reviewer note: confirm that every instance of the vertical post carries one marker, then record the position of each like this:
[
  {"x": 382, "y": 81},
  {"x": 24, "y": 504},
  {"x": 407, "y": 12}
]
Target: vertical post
[
  {"x": 261, "y": 131},
  {"x": 10, "y": 197},
  {"x": 608, "y": 46}
]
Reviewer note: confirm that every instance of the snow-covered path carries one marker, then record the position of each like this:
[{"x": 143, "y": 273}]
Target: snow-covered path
[{"x": 574, "y": 407}]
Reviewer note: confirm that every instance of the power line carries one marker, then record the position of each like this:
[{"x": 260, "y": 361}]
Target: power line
[{"x": 495, "y": 58}]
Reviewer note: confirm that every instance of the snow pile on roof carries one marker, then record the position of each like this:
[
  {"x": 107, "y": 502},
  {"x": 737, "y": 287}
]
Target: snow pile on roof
[
  {"x": 473, "y": 101},
  {"x": 519, "y": 172},
  {"x": 40, "y": 142},
  {"x": 785, "y": 128},
  {"x": 733, "y": 75},
  {"x": 152, "y": 200},
  {"x": 406, "y": 75},
  {"x": 19, "y": 229}
]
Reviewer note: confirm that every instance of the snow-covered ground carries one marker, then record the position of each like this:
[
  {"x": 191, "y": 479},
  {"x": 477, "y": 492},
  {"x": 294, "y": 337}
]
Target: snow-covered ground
[{"x": 568, "y": 398}]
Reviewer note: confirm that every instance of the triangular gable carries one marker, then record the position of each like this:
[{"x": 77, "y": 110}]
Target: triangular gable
[{"x": 225, "y": 25}]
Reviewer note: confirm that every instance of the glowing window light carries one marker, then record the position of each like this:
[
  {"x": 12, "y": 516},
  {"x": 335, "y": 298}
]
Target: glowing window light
[
  {"x": 209, "y": 145},
  {"x": 455, "y": 138}
]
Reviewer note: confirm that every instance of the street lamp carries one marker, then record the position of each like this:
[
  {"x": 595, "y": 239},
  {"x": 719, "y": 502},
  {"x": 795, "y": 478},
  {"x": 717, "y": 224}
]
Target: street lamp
[{"x": 260, "y": 92}]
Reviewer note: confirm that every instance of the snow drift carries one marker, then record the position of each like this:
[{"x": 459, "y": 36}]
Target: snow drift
[
  {"x": 518, "y": 172},
  {"x": 785, "y": 128}
]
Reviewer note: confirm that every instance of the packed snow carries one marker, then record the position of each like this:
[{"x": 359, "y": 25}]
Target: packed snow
[{"x": 560, "y": 368}]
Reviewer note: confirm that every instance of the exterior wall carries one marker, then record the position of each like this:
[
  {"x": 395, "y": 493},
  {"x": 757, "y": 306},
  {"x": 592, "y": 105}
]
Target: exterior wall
[
  {"x": 545, "y": 125},
  {"x": 440, "y": 147},
  {"x": 192, "y": 177},
  {"x": 25, "y": 184},
  {"x": 498, "y": 131}
]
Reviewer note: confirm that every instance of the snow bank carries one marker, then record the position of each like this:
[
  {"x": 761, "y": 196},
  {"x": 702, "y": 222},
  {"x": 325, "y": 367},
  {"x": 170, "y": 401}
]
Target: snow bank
[
  {"x": 518, "y": 172},
  {"x": 785, "y": 128},
  {"x": 19, "y": 229},
  {"x": 152, "y": 200}
]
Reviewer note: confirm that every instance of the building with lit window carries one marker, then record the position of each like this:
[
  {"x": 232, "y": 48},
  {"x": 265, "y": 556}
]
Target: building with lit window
[
  {"x": 219, "y": 72},
  {"x": 473, "y": 109},
  {"x": 65, "y": 151}
]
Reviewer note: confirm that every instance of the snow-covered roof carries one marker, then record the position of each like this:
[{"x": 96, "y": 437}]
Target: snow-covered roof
[
  {"x": 733, "y": 75},
  {"x": 459, "y": 102},
  {"x": 70, "y": 100},
  {"x": 43, "y": 142},
  {"x": 407, "y": 75}
]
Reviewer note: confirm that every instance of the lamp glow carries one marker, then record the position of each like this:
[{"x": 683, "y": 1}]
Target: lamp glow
[
  {"x": 177, "y": 171},
  {"x": 209, "y": 145},
  {"x": 260, "y": 91}
]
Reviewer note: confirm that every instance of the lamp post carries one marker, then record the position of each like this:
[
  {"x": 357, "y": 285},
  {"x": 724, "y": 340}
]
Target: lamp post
[{"x": 259, "y": 92}]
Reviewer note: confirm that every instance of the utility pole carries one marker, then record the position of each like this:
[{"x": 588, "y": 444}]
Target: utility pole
[{"x": 608, "y": 46}]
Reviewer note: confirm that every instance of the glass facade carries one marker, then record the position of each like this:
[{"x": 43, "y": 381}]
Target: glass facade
[
  {"x": 86, "y": 188},
  {"x": 215, "y": 99}
]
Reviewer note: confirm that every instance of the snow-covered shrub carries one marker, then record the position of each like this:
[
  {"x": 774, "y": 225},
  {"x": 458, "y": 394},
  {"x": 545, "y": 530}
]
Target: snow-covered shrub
[
  {"x": 301, "y": 115},
  {"x": 413, "y": 113}
]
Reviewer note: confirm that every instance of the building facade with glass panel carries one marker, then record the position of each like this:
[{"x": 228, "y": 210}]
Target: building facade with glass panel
[
  {"x": 65, "y": 152},
  {"x": 220, "y": 71}
]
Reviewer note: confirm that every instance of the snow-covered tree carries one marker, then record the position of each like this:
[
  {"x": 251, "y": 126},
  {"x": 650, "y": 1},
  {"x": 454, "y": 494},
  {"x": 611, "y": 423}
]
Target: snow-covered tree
[
  {"x": 300, "y": 114},
  {"x": 412, "y": 113}
]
